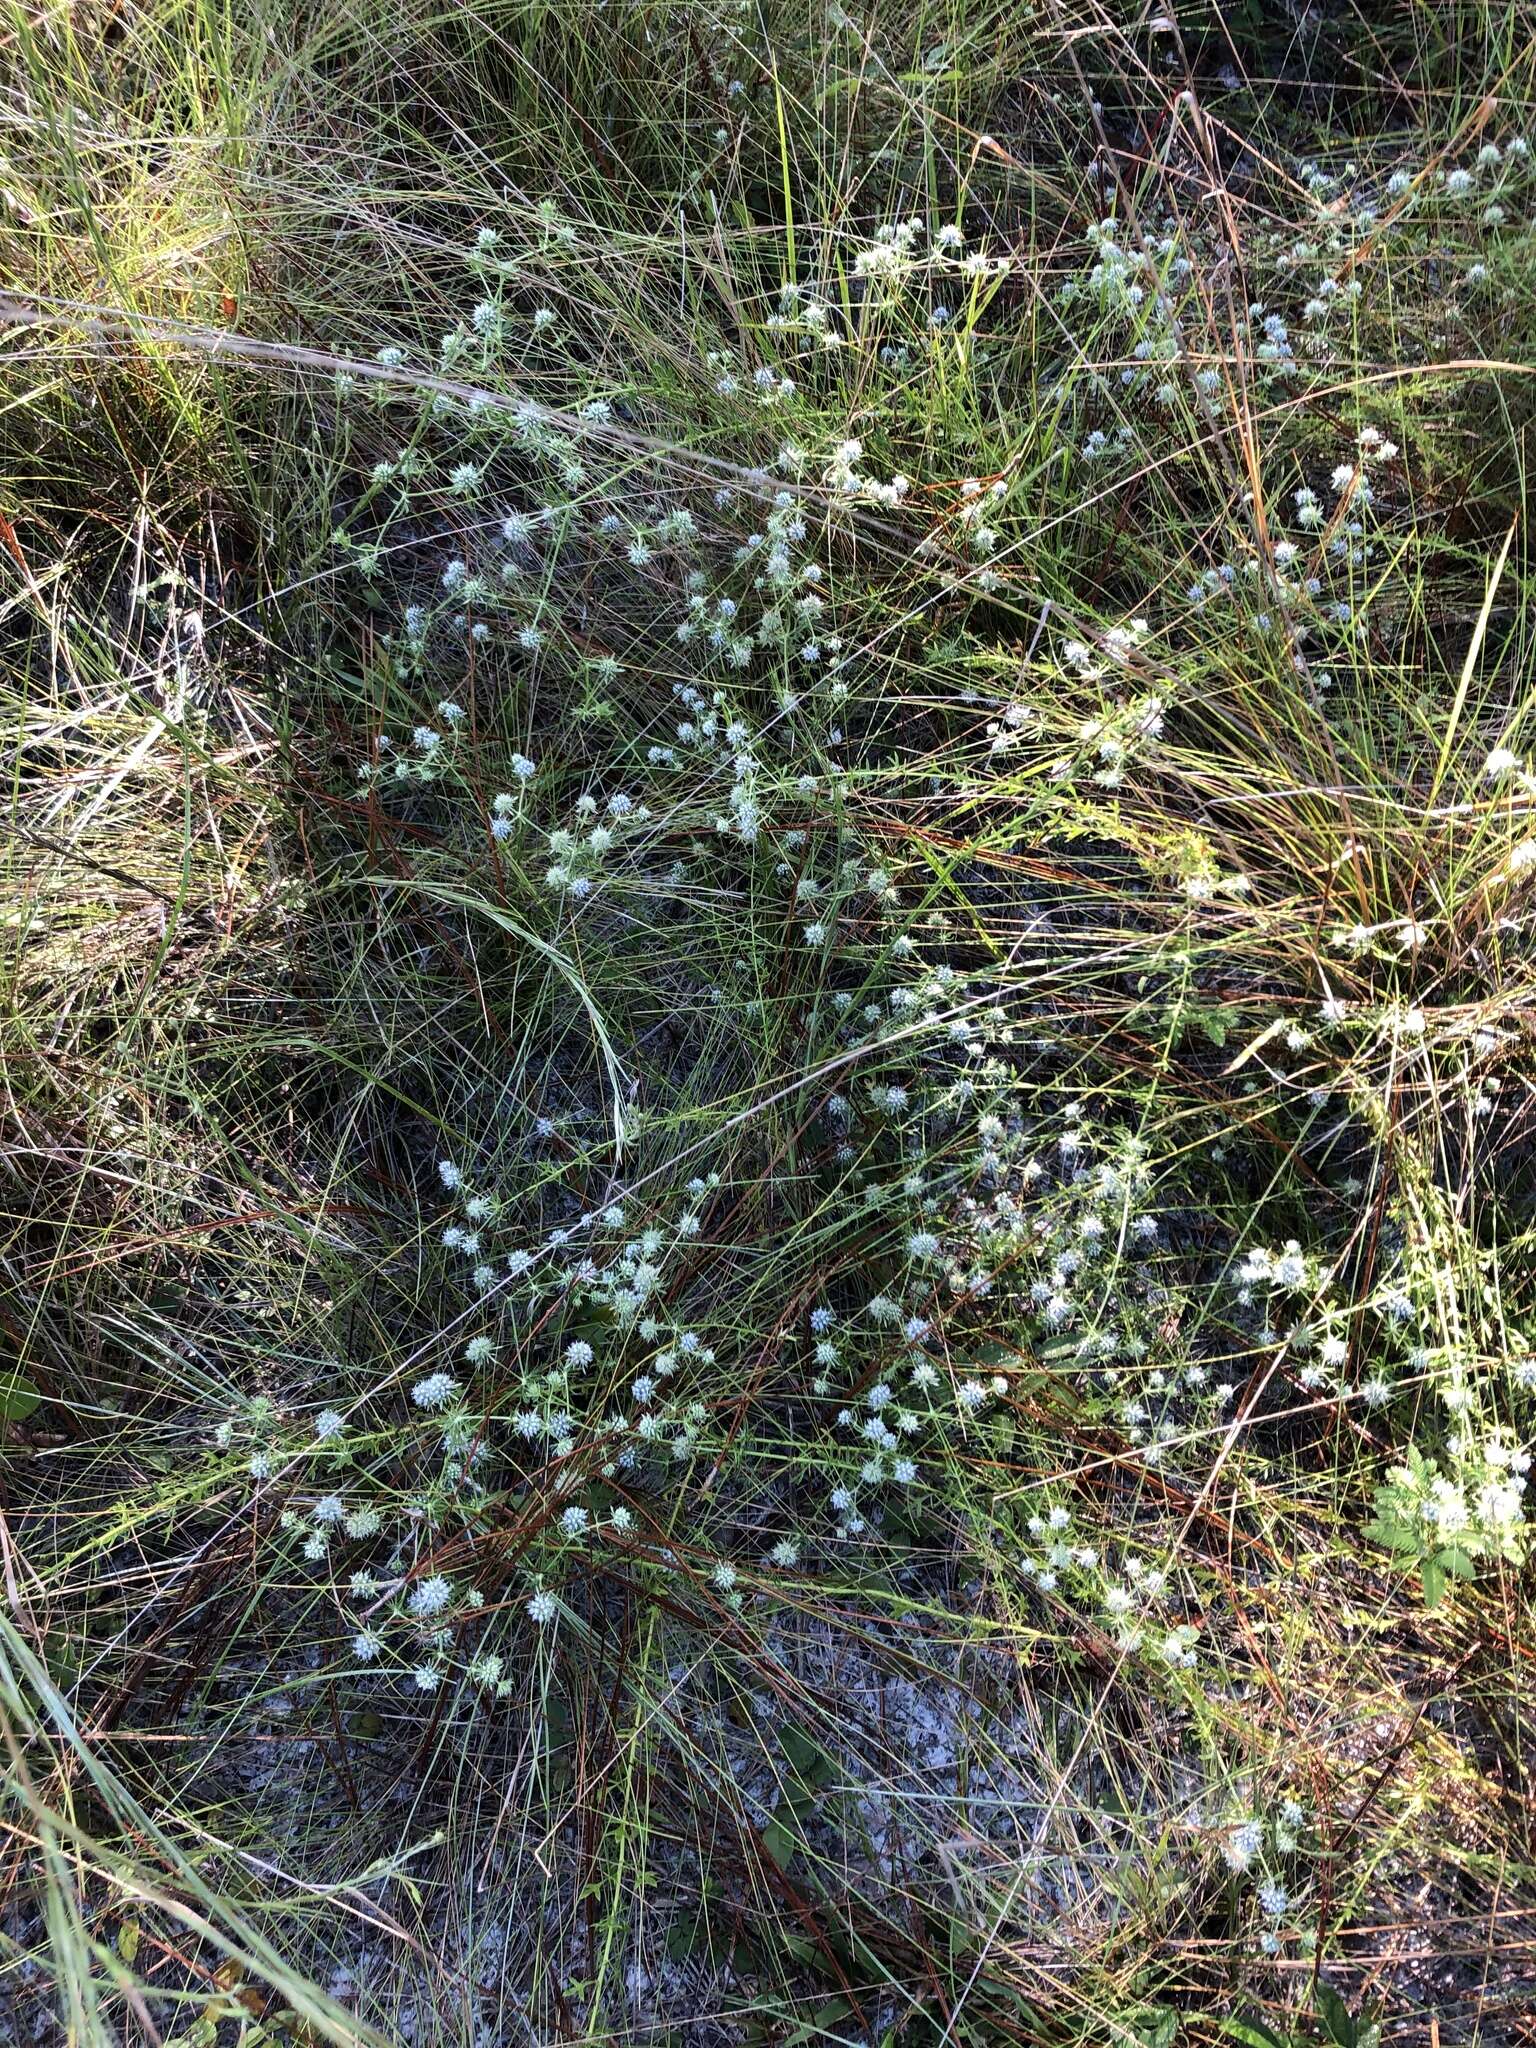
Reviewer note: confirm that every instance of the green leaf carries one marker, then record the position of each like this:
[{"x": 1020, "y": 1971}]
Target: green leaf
[
  {"x": 559, "y": 1728},
  {"x": 687, "y": 1938},
  {"x": 1158, "y": 2027},
  {"x": 819, "y": 2026},
  {"x": 1334, "y": 2014},
  {"x": 963, "y": 1941},
  {"x": 779, "y": 1842},
  {"x": 800, "y": 1752},
  {"x": 18, "y": 1397},
  {"x": 996, "y": 1355},
  {"x": 201, "y": 2034},
  {"x": 1252, "y": 2033}
]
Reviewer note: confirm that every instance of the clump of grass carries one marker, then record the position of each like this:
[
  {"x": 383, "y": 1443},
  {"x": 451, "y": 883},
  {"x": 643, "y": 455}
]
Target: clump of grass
[{"x": 768, "y": 986}]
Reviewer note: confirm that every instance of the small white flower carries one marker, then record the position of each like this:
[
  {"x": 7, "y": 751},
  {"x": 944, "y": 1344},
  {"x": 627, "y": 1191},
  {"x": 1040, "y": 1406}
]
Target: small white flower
[
  {"x": 435, "y": 1391},
  {"x": 430, "y": 1596},
  {"x": 1242, "y": 1843}
]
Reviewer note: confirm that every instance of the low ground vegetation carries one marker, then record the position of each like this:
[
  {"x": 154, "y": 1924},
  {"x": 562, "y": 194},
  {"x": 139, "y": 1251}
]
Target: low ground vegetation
[{"x": 767, "y": 1118}]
